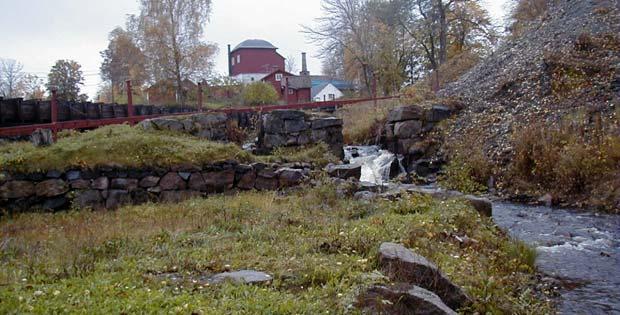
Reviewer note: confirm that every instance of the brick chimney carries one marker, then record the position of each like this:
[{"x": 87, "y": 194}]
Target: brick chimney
[
  {"x": 304, "y": 65},
  {"x": 229, "y": 61}
]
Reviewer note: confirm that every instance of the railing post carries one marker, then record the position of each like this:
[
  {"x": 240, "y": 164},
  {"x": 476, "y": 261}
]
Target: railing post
[
  {"x": 54, "y": 108},
  {"x": 199, "y": 97},
  {"x": 129, "y": 100}
]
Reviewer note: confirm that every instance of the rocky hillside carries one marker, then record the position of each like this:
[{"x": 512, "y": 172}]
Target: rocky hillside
[{"x": 566, "y": 64}]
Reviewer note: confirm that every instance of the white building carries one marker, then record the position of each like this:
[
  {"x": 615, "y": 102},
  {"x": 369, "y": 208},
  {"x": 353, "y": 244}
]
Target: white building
[{"x": 326, "y": 92}]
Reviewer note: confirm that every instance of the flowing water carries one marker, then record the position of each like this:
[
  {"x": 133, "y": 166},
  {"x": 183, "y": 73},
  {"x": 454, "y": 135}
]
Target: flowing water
[
  {"x": 582, "y": 249},
  {"x": 376, "y": 163}
]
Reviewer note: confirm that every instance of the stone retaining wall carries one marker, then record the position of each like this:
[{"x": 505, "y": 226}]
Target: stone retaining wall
[
  {"x": 290, "y": 128},
  {"x": 405, "y": 131},
  {"x": 211, "y": 126},
  {"x": 111, "y": 187}
]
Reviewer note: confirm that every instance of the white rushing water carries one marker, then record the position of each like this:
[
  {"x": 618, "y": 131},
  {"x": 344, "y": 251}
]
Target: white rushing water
[{"x": 376, "y": 163}]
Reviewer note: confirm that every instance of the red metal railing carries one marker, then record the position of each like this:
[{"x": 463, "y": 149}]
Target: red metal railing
[{"x": 55, "y": 125}]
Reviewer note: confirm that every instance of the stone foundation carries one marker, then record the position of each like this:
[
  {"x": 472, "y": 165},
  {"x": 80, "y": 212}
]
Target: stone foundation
[
  {"x": 290, "y": 128},
  {"x": 211, "y": 126},
  {"x": 110, "y": 187},
  {"x": 405, "y": 131}
]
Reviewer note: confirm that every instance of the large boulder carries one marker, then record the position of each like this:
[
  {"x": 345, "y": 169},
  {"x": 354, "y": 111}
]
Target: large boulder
[
  {"x": 16, "y": 189},
  {"x": 101, "y": 183},
  {"x": 124, "y": 184},
  {"x": 42, "y": 138},
  {"x": 89, "y": 199},
  {"x": 407, "y": 129},
  {"x": 438, "y": 113},
  {"x": 219, "y": 181},
  {"x": 402, "y": 265},
  {"x": 172, "y": 181},
  {"x": 482, "y": 205},
  {"x": 345, "y": 171},
  {"x": 289, "y": 177},
  {"x": 51, "y": 188},
  {"x": 406, "y": 113},
  {"x": 117, "y": 198},
  {"x": 149, "y": 181},
  {"x": 327, "y": 122},
  {"x": 402, "y": 300},
  {"x": 294, "y": 126}
]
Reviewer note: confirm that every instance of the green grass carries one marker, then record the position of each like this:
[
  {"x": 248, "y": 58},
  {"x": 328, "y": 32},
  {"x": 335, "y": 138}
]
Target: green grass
[
  {"x": 317, "y": 154},
  {"x": 122, "y": 145},
  {"x": 117, "y": 145},
  {"x": 320, "y": 248}
]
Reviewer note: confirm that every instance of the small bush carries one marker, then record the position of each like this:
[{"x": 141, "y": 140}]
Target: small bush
[
  {"x": 259, "y": 93},
  {"x": 469, "y": 168},
  {"x": 564, "y": 162}
]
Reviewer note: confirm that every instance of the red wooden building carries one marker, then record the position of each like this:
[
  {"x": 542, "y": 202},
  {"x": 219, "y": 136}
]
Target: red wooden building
[{"x": 258, "y": 60}]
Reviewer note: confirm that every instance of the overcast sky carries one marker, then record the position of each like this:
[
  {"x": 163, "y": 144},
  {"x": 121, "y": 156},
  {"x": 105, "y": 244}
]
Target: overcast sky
[{"x": 39, "y": 32}]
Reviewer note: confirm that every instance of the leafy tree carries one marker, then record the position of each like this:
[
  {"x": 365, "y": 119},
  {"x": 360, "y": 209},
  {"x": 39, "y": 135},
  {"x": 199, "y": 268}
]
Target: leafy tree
[
  {"x": 170, "y": 35},
  {"x": 122, "y": 61},
  {"x": 11, "y": 74},
  {"x": 66, "y": 77},
  {"x": 259, "y": 93}
]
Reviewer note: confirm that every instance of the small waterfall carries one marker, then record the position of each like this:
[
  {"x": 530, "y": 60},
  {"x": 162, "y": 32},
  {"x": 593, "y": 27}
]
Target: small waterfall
[{"x": 376, "y": 163}]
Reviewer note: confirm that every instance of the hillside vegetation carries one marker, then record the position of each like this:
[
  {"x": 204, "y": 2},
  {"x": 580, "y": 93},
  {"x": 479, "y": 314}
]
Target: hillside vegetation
[{"x": 541, "y": 114}]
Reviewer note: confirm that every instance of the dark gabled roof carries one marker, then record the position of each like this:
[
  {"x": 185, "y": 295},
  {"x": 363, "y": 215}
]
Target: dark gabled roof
[
  {"x": 299, "y": 82},
  {"x": 255, "y": 44},
  {"x": 339, "y": 84}
]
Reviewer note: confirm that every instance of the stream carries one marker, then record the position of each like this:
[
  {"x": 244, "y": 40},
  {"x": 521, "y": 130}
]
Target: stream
[{"x": 580, "y": 249}]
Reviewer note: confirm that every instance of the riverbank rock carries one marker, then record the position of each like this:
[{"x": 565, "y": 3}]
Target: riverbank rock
[
  {"x": 345, "y": 171},
  {"x": 402, "y": 265},
  {"x": 482, "y": 205},
  {"x": 402, "y": 300}
]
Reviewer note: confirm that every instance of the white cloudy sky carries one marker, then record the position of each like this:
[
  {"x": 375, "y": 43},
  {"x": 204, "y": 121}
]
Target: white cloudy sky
[{"x": 39, "y": 32}]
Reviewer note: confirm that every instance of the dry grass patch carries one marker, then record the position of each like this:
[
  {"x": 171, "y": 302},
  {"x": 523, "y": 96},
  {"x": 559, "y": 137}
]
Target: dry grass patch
[{"x": 364, "y": 121}]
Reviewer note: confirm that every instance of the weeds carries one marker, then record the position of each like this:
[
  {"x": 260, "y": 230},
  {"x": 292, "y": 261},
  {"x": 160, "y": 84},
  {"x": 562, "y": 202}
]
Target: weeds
[
  {"x": 569, "y": 165},
  {"x": 364, "y": 122},
  {"x": 320, "y": 255}
]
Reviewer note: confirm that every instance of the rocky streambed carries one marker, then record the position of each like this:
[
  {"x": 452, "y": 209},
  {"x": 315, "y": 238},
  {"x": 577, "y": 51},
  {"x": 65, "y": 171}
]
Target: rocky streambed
[{"x": 577, "y": 251}]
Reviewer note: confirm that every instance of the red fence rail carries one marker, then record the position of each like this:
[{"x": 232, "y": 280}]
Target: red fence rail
[{"x": 27, "y": 130}]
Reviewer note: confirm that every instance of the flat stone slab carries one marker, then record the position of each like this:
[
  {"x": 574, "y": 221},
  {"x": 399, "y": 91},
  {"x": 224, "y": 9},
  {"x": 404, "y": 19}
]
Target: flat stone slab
[
  {"x": 345, "y": 171},
  {"x": 238, "y": 277},
  {"x": 402, "y": 299},
  {"x": 242, "y": 277}
]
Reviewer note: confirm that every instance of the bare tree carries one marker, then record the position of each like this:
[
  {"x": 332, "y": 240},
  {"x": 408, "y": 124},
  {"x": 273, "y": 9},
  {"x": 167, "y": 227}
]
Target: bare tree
[
  {"x": 31, "y": 87},
  {"x": 346, "y": 26},
  {"x": 11, "y": 73},
  {"x": 291, "y": 64},
  {"x": 170, "y": 34}
]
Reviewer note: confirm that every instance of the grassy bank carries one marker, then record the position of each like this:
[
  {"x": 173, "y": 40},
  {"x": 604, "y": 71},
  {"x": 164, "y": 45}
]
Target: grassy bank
[
  {"x": 320, "y": 248},
  {"x": 125, "y": 146}
]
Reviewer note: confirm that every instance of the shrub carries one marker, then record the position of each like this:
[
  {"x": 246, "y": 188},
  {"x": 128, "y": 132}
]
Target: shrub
[
  {"x": 562, "y": 161},
  {"x": 259, "y": 93},
  {"x": 469, "y": 168}
]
